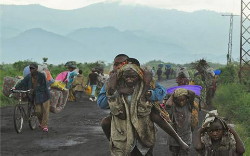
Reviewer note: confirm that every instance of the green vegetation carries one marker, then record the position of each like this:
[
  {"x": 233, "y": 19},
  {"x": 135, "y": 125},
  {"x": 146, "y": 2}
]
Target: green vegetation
[{"x": 232, "y": 100}]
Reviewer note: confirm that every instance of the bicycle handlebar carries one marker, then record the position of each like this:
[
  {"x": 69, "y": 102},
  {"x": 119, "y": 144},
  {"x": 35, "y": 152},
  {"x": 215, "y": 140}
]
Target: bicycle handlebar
[{"x": 19, "y": 91}]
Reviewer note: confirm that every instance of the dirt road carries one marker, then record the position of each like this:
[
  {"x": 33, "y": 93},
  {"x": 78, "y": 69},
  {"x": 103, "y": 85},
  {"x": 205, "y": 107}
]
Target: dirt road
[{"x": 75, "y": 131}]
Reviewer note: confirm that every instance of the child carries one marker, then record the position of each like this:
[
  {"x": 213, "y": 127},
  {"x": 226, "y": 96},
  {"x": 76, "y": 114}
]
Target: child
[
  {"x": 181, "y": 105},
  {"x": 216, "y": 138}
]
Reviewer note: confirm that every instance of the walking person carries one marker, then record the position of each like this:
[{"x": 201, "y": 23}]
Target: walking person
[
  {"x": 153, "y": 71},
  {"x": 184, "y": 117},
  {"x": 36, "y": 82},
  {"x": 72, "y": 72},
  {"x": 154, "y": 92},
  {"x": 132, "y": 128},
  {"x": 217, "y": 138},
  {"x": 182, "y": 76},
  {"x": 78, "y": 86},
  {"x": 159, "y": 73},
  {"x": 93, "y": 81},
  {"x": 205, "y": 78}
]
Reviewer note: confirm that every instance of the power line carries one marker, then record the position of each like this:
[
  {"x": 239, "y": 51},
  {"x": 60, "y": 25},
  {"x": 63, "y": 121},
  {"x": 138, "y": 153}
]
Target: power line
[
  {"x": 245, "y": 41},
  {"x": 230, "y": 41}
]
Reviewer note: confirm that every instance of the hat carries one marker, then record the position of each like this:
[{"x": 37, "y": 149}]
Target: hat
[
  {"x": 70, "y": 64},
  {"x": 33, "y": 65}
]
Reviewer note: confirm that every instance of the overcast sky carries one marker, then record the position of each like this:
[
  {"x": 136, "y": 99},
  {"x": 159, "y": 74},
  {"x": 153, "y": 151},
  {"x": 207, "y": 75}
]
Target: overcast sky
[{"x": 230, "y": 6}]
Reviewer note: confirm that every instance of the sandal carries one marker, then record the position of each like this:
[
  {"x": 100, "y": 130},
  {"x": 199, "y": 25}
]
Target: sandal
[{"x": 45, "y": 129}]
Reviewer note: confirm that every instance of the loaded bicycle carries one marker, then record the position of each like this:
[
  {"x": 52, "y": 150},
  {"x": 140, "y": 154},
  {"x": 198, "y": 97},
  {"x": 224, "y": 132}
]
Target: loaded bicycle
[{"x": 24, "y": 111}]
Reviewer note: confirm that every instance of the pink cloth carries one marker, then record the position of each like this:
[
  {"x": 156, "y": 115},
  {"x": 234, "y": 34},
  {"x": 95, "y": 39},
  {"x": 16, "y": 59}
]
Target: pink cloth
[
  {"x": 62, "y": 76},
  {"x": 163, "y": 106}
]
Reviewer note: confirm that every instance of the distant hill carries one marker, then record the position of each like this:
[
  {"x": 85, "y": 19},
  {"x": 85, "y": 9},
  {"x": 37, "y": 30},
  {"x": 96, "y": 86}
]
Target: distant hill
[
  {"x": 112, "y": 28},
  {"x": 38, "y": 43}
]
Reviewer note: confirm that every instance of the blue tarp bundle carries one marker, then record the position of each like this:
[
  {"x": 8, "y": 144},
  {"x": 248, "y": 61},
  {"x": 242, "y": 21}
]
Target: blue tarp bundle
[{"x": 217, "y": 72}]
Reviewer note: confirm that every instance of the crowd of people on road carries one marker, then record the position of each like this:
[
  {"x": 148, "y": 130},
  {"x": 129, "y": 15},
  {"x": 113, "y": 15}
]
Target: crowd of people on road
[
  {"x": 169, "y": 72},
  {"x": 137, "y": 102},
  {"x": 134, "y": 99},
  {"x": 51, "y": 95}
]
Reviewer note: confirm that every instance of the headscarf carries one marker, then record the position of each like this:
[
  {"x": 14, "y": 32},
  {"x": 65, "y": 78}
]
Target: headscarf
[
  {"x": 210, "y": 117},
  {"x": 133, "y": 67}
]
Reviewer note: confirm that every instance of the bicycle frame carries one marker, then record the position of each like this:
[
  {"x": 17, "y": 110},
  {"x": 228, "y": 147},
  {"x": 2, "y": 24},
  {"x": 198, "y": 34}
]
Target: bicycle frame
[
  {"x": 26, "y": 112},
  {"x": 21, "y": 113}
]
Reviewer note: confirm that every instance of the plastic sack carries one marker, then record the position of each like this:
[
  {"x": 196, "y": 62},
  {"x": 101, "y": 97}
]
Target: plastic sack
[
  {"x": 195, "y": 88},
  {"x": 62, "y": 76},
  {"x": 59, "y": 85},
  {"x": 58, "y": 100},
  {"x": 88, "y": 90},
  {"x": 217, "y": 72},
  {"x": 10, "y": 82}
]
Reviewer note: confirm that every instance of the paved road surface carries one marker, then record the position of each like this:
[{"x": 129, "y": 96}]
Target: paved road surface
[{"x": 75, "y": 131}]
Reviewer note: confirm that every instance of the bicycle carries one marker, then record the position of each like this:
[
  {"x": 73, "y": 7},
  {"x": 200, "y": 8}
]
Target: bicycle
[{"x": 22, "y": 113}]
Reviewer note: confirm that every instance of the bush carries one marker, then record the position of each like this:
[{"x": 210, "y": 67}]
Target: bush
[
  {"x": 229, "y": 74},
  {"x": 233, "y": 101}
]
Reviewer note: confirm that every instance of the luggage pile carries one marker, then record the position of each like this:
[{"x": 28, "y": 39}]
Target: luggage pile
[{"x": 8, "y": 83}]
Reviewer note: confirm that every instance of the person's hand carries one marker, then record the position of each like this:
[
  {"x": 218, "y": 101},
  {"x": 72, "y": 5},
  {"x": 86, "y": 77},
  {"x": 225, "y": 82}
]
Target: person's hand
[
  {"x": 32, "y": 91},
  {"x": 111, "y": 83},
  {"x": 231, "y": 128},
  {"x": 13, "y": 88},
  {"x": 148, "y": 77},
  {"x": 163, "y": 105},
  {"x": 125, "y": 90},
  {"x": 202, "y": 130},
  {"x": 148, "y": 94}
]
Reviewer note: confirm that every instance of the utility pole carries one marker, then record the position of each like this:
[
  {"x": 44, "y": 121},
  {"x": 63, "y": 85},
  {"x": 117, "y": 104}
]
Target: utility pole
[
  {"x": 245, "y": 42},
  {"x": 230, "y": 42}
]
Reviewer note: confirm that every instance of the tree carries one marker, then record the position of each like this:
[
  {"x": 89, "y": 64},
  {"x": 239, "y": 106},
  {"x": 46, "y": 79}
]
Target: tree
[
  {"x": 19, "y": 66},
  {"x": 45, "y": 59}
]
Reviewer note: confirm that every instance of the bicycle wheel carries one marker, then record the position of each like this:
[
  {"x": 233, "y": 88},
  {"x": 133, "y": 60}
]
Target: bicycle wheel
[
  {"x": 18, "y": 118},
  {"x": 33, "y": 120}
]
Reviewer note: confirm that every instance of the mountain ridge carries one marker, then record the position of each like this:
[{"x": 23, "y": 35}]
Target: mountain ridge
[{"x": 200, "y": 33}]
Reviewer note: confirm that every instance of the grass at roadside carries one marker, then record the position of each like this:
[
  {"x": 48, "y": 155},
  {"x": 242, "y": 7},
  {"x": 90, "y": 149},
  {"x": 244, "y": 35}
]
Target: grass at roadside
[{"x": 233, "y": 102}]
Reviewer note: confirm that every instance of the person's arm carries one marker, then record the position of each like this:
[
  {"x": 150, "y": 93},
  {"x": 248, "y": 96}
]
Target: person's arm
[
  {"x": 240, "y": 149},
  {"x": 158, "y": 93},
  {"x": 23, "y": 84},
  {"x": 44, "y": 87},
  {"x": 199, "y": 146},
  {"x": 102, "y": 99},
  {"x": 108, "y": 89}
]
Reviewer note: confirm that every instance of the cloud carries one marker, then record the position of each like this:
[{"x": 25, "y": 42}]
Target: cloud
[{"x": 230, "y": 6}]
